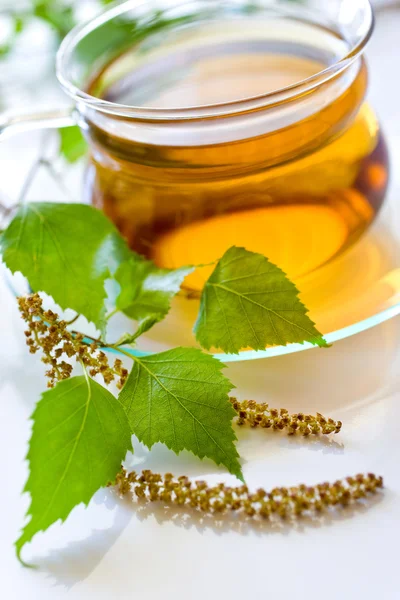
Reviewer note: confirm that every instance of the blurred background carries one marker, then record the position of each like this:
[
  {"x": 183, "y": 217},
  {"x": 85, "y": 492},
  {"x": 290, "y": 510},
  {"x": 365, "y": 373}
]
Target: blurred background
[{"x": 30, "y": 33}]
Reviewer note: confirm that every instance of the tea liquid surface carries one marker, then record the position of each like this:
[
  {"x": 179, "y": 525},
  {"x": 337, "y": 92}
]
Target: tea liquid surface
[{"x": 187, "y": 204}]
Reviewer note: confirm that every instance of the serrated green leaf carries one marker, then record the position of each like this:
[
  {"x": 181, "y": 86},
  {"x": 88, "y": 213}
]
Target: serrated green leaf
[
  {"x": 80, "y": 436},
  {"x": 147, "y": 291},
  {"x": 65, "y": 250},
  {"x": 180, "y": 398},
  {"x": 72, "y": 143},
  {"x": 249, "y": 302}
]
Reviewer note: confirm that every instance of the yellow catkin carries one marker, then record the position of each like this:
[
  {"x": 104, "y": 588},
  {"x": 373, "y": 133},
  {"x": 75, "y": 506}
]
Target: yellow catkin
[
  {"x": 261, "y": 415},
  {"x": 48, "y": 333},
  {"x": 281, "y": 502}
]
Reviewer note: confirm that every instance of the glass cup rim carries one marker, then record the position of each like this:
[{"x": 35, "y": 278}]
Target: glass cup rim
[{"x": 223, "y": 109}]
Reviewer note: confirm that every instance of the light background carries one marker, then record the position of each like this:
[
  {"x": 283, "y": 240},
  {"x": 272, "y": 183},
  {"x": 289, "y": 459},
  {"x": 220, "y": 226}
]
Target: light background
[{"x": 114, "y": 550}]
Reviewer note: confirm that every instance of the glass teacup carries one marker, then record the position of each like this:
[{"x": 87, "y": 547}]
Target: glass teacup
[{"x": 229, "y": 122}]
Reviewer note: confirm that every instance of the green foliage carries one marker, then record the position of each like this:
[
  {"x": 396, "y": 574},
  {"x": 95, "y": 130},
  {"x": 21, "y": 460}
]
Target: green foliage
[
  {"x": 65, "y": 250},
  {"x": 180, "y": 398},
  {"x": 18, "y": 25},
  {"x": 147, "y": 291},
  {"x": 80, "y": 436},
  {"x": 249, "y": 302},
  {"x": 72, "y": 143},
  {"x": 81, "y": 432},
  {"x": 58, "y": 15}
]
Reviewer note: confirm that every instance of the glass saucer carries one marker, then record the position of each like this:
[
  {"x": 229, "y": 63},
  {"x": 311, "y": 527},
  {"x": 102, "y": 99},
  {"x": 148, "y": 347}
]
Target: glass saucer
[
  {"x": 358, "y": 290},
  {"x": 353, "y": 293}
]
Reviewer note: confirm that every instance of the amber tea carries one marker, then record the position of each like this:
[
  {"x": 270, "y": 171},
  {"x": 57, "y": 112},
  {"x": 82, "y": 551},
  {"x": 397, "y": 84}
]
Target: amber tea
[{"x": 298, "y": 180}]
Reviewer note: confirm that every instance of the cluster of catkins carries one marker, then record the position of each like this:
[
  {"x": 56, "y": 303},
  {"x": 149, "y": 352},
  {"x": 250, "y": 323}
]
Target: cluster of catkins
[
  {"x": 48, "y": 333},
  {"x": 261, "y": 415},
  {"x": 282, "y": 502}
]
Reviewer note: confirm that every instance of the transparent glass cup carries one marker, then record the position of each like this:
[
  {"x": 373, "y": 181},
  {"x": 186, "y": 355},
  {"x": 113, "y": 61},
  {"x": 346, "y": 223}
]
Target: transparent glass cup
[{"x": 214, "y": 123}]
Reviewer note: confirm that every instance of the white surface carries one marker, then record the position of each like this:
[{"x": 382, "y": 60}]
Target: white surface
[{"x": 115, "y": 550}]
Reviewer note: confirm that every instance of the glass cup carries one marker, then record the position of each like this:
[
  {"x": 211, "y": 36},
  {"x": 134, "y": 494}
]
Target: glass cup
[{"x": 214, "y": 123}]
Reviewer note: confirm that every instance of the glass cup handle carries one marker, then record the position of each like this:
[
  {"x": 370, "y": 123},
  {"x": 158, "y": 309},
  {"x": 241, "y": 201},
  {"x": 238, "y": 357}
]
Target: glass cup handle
[{"x": 13, "y": 124}]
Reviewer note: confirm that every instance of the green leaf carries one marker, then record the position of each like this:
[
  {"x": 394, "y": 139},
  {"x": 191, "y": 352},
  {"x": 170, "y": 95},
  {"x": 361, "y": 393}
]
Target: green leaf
[
  {"x": 80, "y": 436},
  {"x": 19, "y": 24},
  {"x": 147, "y": 291},
  {"x": 56, "y": 14},
  {"x": 67, "y": 251},
  {"x": 72, "y": 143},
  {"x": 180, "y": 398},
  {"x": 249, "y": 302}
]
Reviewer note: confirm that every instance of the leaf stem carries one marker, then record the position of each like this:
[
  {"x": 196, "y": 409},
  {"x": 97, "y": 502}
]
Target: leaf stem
[
  {"x": 112, "y": 313},
  {"x": 29, "y": 180},
  {"x": 92, "y": 339},
  {"x": 86, "y": 374},
  {"x": 124, "y": 352},
  {"x": 39, "y": 161},
  {"x": 5, "y": 210},
  {"x": 76, "y": 317},
  {"x": 57, "y": 178},
  {"x": 124, "y": 339}
]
